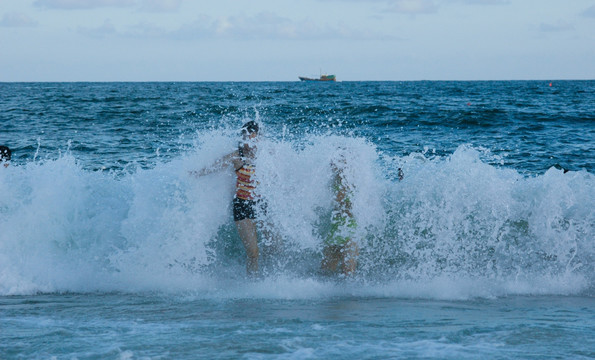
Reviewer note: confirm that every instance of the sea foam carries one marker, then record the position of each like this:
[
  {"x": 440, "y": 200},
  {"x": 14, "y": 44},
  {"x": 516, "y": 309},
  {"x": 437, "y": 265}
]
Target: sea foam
[{"x": 454, "y": 227}]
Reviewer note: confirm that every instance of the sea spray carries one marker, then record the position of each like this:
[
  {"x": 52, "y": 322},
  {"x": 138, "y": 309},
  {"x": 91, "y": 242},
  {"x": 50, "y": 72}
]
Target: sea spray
[{"x": 454, "y": 219}]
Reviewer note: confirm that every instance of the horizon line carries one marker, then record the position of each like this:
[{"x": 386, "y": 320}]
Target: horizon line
[{"x": 277, "y": 81}]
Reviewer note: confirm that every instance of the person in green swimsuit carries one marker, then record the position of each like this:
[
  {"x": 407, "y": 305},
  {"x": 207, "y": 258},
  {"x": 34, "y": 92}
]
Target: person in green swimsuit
[{"x": 340, "y": 250}]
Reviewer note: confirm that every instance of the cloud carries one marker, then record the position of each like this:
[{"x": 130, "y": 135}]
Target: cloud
[
  {"x": 17, "y": 20},
  {"x": 418, "y": 7},
  {"x": 82, "y": 4},
  {"x": 142, "y": 5},
  {"x": 160, "y": 5},
  {"x": 413, "y": 6},
  {"x": 403, "y": 6},
  {"x": 145, "y": 31},
  {"x": 267, "y": 25},
  {"x": 560, "y": 26},
  {"x": 139, "y": 31},
  {"x": 589, "y": 12},
  {"x": 486, "y": 2},
  {"x": 262, "y": 26}
]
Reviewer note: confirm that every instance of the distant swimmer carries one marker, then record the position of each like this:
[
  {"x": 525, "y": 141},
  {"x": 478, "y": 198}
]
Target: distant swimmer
[
  {"x": 5, "y": 155},
  {"x": 246, "y": 204},
  {"x": 340, "y": 250}
]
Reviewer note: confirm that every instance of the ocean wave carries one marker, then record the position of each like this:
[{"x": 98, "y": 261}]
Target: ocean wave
[{"x": 454, "y": 227}]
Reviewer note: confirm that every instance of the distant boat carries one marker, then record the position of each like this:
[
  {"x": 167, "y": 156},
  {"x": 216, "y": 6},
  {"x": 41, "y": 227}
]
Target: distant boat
[{"x": 321, "y": 78}]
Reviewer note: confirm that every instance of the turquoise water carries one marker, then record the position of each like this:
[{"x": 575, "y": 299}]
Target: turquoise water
[
  {"x": 186, "y": 326},
  {"x": 108, "y": 249}
]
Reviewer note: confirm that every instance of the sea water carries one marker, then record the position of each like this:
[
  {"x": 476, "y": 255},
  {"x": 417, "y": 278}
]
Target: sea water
[{"x": 109, "y": 249}]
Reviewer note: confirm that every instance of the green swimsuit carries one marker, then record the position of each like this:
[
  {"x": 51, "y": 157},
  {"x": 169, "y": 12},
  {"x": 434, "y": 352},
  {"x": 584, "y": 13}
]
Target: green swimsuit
[{"x": 343, "y": 226}]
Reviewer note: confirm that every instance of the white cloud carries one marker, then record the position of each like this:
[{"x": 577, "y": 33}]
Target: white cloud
[
  {"x": 17, "y": 20},
  {"x": 140, "y": 31},
  {"x": 486, "y": 2},
  {"x": 262, "y": 26},
  {"x": 145, "y": 31},
  {"x": 160, "y": 5},
  {"x": 83, "y": 4},
  {"x": 142, "y": 5},
  {"x": 413, "y": 6},
  {"x": 402, "y": 6}
]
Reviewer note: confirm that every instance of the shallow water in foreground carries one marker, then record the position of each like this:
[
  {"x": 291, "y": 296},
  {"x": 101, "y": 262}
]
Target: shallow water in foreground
[{"x": 142, "y": 326}]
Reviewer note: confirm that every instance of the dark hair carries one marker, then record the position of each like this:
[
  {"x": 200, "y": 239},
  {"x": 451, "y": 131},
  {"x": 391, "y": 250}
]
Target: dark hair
[
  {"x": 250, "y": 127},
  {"x": 5, "y": 153}
]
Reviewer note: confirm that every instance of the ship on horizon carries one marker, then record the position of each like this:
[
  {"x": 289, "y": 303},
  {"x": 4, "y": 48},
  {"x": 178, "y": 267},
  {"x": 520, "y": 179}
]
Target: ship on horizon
[{"x": 321, "y": 78}]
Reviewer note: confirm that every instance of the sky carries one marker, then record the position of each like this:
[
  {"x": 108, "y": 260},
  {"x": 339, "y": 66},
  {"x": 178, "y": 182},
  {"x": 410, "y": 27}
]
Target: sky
[{"x": 279, "y": 40}]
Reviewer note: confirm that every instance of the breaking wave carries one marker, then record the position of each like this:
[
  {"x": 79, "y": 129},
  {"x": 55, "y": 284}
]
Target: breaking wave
[{"x": 454, "y": 227}]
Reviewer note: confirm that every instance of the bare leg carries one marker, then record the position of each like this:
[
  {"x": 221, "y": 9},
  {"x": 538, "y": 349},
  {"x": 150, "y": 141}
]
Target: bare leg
[
  {"x": 349, "y": 254},
  {"x": 247, "y": 230},
  {"x": 331, "y": 258}
]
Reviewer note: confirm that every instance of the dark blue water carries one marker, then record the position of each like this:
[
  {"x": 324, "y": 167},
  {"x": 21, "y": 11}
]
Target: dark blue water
[
  {"x": 109, "y": 249},
  {"x": 530, "y": 124}
]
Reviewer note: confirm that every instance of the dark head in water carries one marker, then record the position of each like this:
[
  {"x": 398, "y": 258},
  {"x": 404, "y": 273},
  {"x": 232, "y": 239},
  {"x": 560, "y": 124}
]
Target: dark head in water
[
  {"x": 249, "y": 128},
  {"x": 5, "y": 155}
]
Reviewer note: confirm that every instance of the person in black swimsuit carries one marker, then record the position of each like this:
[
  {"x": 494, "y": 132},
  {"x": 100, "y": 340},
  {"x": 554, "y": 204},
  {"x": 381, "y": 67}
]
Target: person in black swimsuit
[{"x": 245, "y": 202}]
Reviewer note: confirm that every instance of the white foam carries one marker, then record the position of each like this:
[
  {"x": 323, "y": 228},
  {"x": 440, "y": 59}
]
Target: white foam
[{"x": 455, "y": 227}]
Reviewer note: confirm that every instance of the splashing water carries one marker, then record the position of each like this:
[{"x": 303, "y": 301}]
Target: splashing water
[{"x": 455, "y": 226}]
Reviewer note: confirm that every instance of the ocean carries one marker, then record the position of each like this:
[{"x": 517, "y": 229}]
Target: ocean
[{"x": 110, "y": 249}]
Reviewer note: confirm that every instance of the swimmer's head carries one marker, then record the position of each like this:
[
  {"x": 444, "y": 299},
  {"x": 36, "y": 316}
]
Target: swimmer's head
[
  {"x": 250, "y": 129},
  {"x": 247, "y": 145},
  {"x": 5, "y": 155}
]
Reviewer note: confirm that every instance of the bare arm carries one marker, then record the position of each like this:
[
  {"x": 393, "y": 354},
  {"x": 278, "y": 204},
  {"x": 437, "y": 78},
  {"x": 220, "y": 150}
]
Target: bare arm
[{"x": 225, "y": 162}]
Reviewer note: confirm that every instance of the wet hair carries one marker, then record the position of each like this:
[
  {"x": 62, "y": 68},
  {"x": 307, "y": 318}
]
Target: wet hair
[
  {"x": 249, "y": 128},
  {"x": 5, "y": 153}
]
